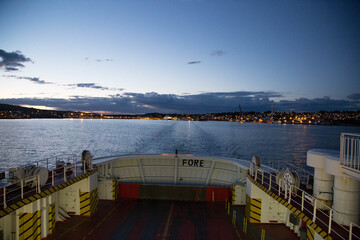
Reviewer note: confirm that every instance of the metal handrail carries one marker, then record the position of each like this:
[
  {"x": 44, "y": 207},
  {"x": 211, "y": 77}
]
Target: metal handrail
[
  {"x": 350, "y": 150},
  {"x": 305, "y": 197},
  {"x": 19, "y": 185}
]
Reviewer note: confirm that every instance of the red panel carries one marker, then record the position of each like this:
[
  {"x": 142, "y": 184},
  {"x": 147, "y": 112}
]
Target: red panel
[
  {"x": 129, "y": 190},
  {"x": 221, "y": 194}
]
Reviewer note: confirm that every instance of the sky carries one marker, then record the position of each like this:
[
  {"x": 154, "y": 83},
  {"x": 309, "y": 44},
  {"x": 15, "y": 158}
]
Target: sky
[{"x": 180, "y": 56}]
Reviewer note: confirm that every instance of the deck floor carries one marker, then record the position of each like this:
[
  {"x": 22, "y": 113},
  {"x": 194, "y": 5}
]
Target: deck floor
[{"x": 157, "y": 219}]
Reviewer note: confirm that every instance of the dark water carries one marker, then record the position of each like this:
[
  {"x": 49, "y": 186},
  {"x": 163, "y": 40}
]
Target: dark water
[{"x": 22, "y": 141}]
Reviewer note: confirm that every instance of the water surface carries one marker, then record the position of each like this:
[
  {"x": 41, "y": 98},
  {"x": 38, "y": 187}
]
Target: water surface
[{"x": 22, "y": 141}]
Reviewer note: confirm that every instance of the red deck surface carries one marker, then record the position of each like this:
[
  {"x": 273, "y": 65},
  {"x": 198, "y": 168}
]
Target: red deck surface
[{"x": 155, "y": 219}]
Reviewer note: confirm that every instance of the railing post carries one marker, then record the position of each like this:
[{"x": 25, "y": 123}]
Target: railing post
[
  {"x": 330, "y": 218},
  {"x": 52, "y": 178},
  {"x": 289, "y": 194},
  {"x": 350, "y": 231},
  {"x": 5, "y": 206},
  {"x": 64, "y": 173},
  {"x": 279, "y": 187},
  {"x": 75, "y": 170},
  {"x": 270, "y": 183},
  {"x": 302, "y": 200},
  {"x": 342, "y": 149},
  {"x": 47, "y": 164},
  {"x": 262, "y": 177},
  {"x": 22, "y": 188},
  {"x": 314, "y": 214},
  {"x": 286, "y": 186},
  {"x": 38, "y": 177}
]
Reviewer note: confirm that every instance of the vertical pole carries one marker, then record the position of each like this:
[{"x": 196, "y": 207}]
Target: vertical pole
[
  {"x": 341, "y": 149},
  {"x": 52, "y": 178},
  {"x": 314, "y": 214},
  {"x": 350, "y": 231},
  {"x": 4, "y": 197},
  {"x": 290, "y": 186},
  {"x": 39, "y": 183},
  {"x": 286, "y": 190},
  {"x": 64, "y": 173},
  {"x": 270, "y": 183},
  {"x": 330, "y": 218},
  {"x": 75, "y": 170},
  {"x": 22, "y": 188},
  {"x": 351, "y": 153},
  {"x": 302, "y": 200},
  {"x": 262, "y": 177},
  {"x": 47, "y": 164},
  {"x": 213, "y": 196},
  {"x": 279, "y": 187}
]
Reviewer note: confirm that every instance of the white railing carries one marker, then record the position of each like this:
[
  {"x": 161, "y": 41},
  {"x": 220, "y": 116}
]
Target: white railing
[
  {"x": 312, "y": 207},
  {"x": 349, "y": 150},
  {"x": 58, "y": 173}
]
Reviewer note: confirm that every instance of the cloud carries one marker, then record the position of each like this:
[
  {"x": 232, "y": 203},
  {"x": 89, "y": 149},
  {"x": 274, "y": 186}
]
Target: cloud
[
  {"x": 12, "y": 61},
  {"x": 211, "y": 102},
  {"x": 32, "y": 79},
  {"x": 355, "y": 96},
  {"x": 100, "y": 60},
  {"x": 194, "y": 62},
  {"x": 218, "y": 53},
  {"x": 94, "y": 86}
]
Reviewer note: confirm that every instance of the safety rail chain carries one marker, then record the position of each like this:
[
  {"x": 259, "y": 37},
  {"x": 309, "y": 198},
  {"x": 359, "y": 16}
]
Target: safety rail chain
[
  {"x": 350, "y": 150},
  {"x": 18, "y": 190},
  {"x": 310, "y": 206}
]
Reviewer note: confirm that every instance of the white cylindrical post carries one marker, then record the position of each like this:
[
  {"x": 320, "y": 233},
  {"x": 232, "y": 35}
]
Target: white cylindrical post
[
  {"x": 314, "y": 214},
  {"x": 289, "y": 194},
  {"x": 279, "y": 187},
  {"x": 350, "y": 231},
  {"x": 330, "y": 218},
  {"x": 302, "y": 200},
  {"x": 262, "y": 177},
  {"x": 270, "y": 183}
]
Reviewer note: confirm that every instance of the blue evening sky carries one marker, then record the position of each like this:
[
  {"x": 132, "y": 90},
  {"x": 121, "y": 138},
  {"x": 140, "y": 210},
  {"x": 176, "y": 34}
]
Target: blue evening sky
[{"x": 180, "y": 55}]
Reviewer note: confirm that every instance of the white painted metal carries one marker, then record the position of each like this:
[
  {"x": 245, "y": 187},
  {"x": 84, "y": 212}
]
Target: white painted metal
[
  {"x": 323, "y": 181},
  {"x": 180, "y": 169},
  {"x": 140, "y": 170},
  {"x": 314, "y": 213},
  {"x": 349, "y": 151},
  {"x": 330, "y": 219},
  {"x": 210, "y": 172},
  {"x": 346, "y": 199}
]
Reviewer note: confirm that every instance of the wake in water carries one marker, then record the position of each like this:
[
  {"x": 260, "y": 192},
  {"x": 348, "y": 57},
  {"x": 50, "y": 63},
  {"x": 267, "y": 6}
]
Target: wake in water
[{"x": 22, "y": 141}]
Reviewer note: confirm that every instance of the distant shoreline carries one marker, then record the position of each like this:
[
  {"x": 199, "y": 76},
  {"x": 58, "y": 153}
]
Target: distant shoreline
[{"x": 336, "y": 118}]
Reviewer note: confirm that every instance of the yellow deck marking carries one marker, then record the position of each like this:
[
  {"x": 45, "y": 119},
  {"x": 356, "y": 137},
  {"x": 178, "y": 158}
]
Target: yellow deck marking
[{"x": 168, "y": 221}]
